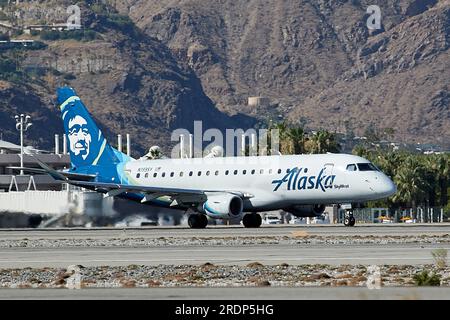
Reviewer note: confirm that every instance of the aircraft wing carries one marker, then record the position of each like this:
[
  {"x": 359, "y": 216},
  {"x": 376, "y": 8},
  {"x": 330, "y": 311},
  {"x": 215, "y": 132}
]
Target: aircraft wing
[
  {"x": 102, "y": 186},
  {"x": 175, "y": 196},
  {"x": 172, "y": 197}
]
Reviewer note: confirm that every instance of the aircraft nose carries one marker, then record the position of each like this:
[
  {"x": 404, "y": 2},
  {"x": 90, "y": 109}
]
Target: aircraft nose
[
  {"x": 386, "y": 187},
  {"x": 381, "y": 185}
]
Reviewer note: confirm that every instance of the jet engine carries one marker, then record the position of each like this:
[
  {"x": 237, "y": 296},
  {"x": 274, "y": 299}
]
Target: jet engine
[
  {"x": 306, "y": 210},
  {"x": 223, "y": 205}
]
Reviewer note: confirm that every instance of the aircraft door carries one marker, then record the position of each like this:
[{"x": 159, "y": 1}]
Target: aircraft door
[{"x": 328, "y": 169}]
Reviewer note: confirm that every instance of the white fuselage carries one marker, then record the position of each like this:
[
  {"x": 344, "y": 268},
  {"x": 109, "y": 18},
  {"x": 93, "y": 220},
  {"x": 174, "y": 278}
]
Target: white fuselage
[{"x": 269, "y": 182}]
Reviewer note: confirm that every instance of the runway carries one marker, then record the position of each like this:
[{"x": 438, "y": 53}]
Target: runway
[
  {"x": 230, "y": 294},
  {"x": 227, "y": 231},
  {"x": 241, "y": 255}
]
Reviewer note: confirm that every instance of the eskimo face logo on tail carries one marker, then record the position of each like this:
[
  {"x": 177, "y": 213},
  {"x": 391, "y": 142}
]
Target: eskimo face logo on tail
[
  {"x": 298, "y": 179},
  {"x": 86, "y": 142},
  {"x": 79, "y": 137}
]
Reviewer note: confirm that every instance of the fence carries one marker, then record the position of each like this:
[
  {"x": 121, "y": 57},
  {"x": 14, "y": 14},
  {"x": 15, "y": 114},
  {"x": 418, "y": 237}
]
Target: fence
[{"x": 405, "y": 215}]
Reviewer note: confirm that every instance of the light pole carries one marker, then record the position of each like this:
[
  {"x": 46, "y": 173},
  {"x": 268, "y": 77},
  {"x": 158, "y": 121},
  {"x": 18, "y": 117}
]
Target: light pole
[{"x": 23, "y": 123}]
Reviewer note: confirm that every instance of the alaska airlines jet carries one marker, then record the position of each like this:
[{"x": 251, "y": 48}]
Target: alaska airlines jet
[{"x": 221, "y": 188}]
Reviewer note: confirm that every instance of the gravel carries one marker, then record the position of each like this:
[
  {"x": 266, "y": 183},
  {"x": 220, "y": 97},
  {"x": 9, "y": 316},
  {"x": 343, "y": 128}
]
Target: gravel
[
  {"x": 208, "y": 275},
  {"x": 227, "y": 241}
]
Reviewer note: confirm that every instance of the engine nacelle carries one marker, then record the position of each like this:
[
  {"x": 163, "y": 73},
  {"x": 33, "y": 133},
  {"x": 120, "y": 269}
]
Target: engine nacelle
[
  {"x": 303, "y": 211},
  {"x": 223, "y": 206}
]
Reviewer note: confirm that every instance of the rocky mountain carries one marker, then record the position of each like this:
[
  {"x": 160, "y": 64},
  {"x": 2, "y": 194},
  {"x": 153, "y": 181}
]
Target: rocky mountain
[
  {"x": 132, "y": 83},
  {"x": 179, "y": 61},
  {"x": 316, "y": 60}
]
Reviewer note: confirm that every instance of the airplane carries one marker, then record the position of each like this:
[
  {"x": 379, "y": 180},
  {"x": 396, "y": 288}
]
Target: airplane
[{"x": 215, "y": 187}]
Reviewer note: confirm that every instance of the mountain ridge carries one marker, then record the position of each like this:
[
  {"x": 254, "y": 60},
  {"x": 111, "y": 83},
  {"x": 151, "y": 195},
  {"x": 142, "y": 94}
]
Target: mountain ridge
[{"x": 175, "y": 62}]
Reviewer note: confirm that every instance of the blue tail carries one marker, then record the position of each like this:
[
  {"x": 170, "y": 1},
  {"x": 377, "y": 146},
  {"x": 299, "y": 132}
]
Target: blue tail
[{"x": 86, "y": 143}]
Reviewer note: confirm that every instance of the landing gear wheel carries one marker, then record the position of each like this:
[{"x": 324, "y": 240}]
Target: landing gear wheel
[
  {"x": 352, "y": 221},
  {"x": 252, "y": 220},
  {"x": 197, "y": 221},
  {"x": 247, "y": 221},
  {"x": 257, "y": 220},
  {"x": 349, "y": 220}
]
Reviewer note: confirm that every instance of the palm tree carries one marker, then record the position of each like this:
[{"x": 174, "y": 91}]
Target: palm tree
[
  {"x": 323, "y": 141},
  {"x": 431, "y": 167},
  {"x": 444, "y": 178},
  {"x": 282, "y": 138},
  {"x": 361, "y": 151},
  {"x": 440, "y": 166},
  {"x": 411, "y": 183},
  {"x": 389, "y": 162},
  {"x": 297, "y": 139}
]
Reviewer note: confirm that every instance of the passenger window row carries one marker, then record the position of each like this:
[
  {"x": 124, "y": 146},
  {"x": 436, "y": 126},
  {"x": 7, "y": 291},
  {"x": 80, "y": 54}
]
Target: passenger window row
[{"x": 210, "y": 173}]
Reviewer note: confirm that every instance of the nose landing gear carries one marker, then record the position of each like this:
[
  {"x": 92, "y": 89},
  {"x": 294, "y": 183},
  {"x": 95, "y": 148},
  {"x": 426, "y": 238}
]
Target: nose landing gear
[{"x": 349, "y": 219}]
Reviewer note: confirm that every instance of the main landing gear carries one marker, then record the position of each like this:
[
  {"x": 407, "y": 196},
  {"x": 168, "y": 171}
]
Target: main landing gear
[
  {"x": 252, "y": 220},
  {"x": 197, "y": 221},
  {"x": 349, "y": 219}
]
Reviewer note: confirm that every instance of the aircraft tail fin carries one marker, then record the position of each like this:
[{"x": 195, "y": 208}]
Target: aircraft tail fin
[{"x": 86, "y": 143}]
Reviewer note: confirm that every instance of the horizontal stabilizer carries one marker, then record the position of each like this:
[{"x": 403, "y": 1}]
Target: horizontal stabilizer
[
  {"x": 67, "y": 174},
  {"x": 31, "y": 170}
]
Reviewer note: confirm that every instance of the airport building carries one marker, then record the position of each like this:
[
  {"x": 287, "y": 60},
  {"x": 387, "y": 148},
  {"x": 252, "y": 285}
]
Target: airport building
[
  {"x": 11, "y": 180},
  {"x": 258, "y": 101}
]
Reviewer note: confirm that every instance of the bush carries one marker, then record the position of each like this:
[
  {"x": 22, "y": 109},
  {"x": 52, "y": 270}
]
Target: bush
[
  {"x": 71, "y": 34},
  {"x": 440, "y": 257},
  {"x": 79, "y": 35},
  {"x": 56, "y": 72},
  {"x": 4, "y": 37},
  {"x": 447, "y": 210},
  {"x": 99, "y": 8},
  {"x": 120, "y": 21},
  {"x": 16, "y": 33},
  {"x": 123, "y": 24},
  {"x": 50, "y": 35},
  {"x": 89, "y": 35},
  {"x": 3, "y": 16},
  {"x": 37, "y": 45},
  {"x": 34, "y": 72},
  {"x": 10, "y": 70},
  {"x": 69, "y": 76},
  {"x": 7, "y": 66},
  {"x": 424, "y": 279},
  {"x": 16, "y": 77}
]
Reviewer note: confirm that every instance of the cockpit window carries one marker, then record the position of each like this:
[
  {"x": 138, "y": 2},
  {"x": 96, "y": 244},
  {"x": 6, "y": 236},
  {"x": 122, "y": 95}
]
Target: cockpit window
[
  {"x": 351, "y": 167},
  {"x": 366, "y": 167}
]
